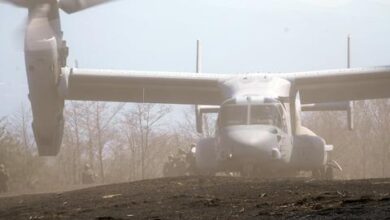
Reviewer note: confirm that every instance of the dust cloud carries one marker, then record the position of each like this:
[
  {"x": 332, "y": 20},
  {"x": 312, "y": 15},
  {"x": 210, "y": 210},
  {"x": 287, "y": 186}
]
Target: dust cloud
[{"x": 115, "y": 143}]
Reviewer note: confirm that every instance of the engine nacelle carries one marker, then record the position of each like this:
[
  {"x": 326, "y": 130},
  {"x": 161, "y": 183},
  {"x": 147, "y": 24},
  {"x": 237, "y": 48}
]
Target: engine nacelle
[
  {"x": 309, "y": 152},
  {"x": 206, "y": 157},
  {"x": 43, "y": 71}
]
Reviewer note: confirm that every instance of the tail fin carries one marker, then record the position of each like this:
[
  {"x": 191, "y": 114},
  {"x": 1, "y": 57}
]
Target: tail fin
[{"x": 198, "y": 116}]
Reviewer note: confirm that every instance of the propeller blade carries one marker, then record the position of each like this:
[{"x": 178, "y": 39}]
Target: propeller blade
[
  {"x": 72, "y": 6},
  {"x": 17, "y": 3}
]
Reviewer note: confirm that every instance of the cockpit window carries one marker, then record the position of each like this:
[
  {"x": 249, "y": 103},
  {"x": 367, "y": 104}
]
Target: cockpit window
[
  {"x": 234, "y": 115},
  {"x": 266, "y": 115}
]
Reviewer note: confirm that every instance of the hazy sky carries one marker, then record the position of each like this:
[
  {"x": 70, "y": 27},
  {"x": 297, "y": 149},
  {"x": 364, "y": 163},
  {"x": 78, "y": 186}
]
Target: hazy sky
[{"x": 237, "y": 36}]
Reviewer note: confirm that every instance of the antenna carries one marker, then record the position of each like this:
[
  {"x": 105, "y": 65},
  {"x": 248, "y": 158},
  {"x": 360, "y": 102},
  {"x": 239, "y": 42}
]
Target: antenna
[
  {"x": 198, "y": 115},
  {"x": 349, "y": 51},
  {"x": 198, "y": 57},
  {"x": 350, "y": 103}
]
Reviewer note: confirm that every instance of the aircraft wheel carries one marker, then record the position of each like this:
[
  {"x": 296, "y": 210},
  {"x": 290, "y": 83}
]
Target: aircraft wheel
[
  {"x": 318, "y": 173},
  {"x": 325, "y": 173},
  {"x": 205, "y": 173},
  {"x": 329, "y": 173},
  {"x": 248, "y": 170}
]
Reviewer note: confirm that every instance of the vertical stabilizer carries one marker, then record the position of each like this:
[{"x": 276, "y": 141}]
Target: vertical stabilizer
[
  {"x": 198, "y": 116},
  {"x": 350, "y": 109}
]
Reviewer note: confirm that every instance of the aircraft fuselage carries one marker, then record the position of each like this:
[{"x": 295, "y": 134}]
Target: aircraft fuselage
[
  {"x": 253, "y": 130},
  {"x": 257, "y": 126}
]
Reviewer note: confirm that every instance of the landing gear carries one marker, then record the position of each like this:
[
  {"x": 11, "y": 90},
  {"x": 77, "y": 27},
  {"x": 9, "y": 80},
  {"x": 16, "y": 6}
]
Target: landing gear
[
  {"x": 327, "y": 171},
  {"x": 205, "y": 173},
  {"x": 317, "y": 173},
  {"x": 254, "y": 170},
  {"x": 331, "y": 165},
  {"x": 323, "y": 173},
  {"x": 248, "y": 170}
]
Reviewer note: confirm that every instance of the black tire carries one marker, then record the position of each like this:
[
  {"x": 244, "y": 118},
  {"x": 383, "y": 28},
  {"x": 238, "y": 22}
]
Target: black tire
[
  {"x": 329, "y": 173},
  {"x": 319, "y": 173},
  {"x": 315, "y": 174},
  {"x": 248, "y": 170}
]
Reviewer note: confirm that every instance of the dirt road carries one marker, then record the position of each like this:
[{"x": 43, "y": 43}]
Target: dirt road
[{"x": 208, "y": 198}]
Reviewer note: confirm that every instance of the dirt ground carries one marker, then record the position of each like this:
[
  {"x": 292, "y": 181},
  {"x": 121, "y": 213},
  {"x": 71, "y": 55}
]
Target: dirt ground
[{"x": 209, "y": 198}]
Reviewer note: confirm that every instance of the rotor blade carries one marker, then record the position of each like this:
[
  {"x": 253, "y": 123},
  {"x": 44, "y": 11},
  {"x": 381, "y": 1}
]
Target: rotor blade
[
  {"x": 72, "y": 6},
  {"x": 17, "y": 3},
  {"x": 39, "y": 29}
]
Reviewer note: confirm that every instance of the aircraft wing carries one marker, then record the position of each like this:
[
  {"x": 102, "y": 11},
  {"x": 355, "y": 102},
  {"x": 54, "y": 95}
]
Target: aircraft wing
[
  {"x": 342, "y": 84},
  {"x": 204, "y": 89},
  {"x": 137, "y": 86}
]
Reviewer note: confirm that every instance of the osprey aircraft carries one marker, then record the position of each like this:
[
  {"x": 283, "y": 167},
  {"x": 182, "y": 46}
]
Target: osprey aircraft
[{"x": 258, "y": 132}]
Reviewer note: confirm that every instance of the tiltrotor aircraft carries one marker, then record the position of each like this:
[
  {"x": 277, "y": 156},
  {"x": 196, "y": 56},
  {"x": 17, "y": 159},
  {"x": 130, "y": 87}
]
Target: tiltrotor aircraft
[{"x": 258, "y": 126}]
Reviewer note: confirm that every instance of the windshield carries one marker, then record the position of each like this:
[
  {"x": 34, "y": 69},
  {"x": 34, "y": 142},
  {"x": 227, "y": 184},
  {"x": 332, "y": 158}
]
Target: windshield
[
  {"x": 265, "y": 115},
  {"x": 234, "y": 115}
]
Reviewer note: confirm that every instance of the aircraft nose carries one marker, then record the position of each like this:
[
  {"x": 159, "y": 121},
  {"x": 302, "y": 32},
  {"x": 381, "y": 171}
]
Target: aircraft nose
[{"x": 249, "y": 142}]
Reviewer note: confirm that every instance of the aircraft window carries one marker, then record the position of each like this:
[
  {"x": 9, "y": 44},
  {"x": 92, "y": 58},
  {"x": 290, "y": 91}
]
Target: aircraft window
[
  {"x": 265, "y": 114},
  {"x": 234, "y": 115}
]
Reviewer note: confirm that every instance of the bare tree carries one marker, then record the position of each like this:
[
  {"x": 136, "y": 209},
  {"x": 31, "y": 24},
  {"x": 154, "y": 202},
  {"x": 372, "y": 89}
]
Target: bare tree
[
  {"x": 363, "y": 152},
  {"x": 21, "y": 122},
  {"x": 141, "y": 122},
  {"x": 74, "y": 132},
  {"x": 380, "y": 120},
  {"x": 187, "y": 126},
  {"x": 98, "y": 126},
  {"x": 29, "y": 163}
]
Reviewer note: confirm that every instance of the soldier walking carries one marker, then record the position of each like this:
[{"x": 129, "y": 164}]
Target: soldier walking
[
  {"x": 3, "y": 179},
  {"x": 191, "y": 160},
  {"x": 88, "y": 176},
  {"x": 168, "y": 169}
]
